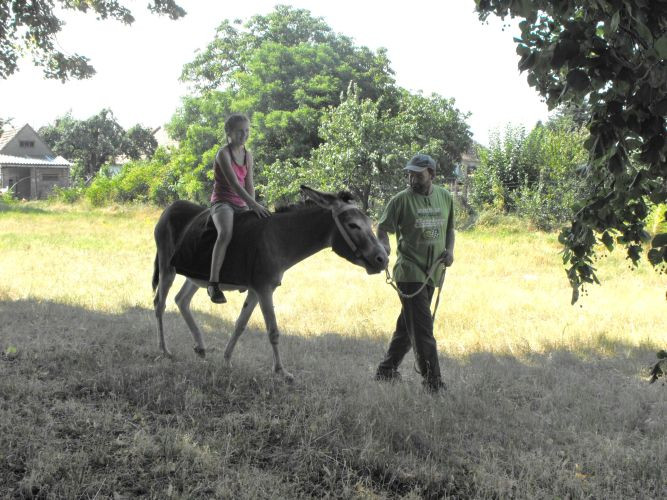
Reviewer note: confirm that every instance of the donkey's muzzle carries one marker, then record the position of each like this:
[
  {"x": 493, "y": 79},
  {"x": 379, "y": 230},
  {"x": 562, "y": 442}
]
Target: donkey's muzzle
[{"x": 377, "y": 262}]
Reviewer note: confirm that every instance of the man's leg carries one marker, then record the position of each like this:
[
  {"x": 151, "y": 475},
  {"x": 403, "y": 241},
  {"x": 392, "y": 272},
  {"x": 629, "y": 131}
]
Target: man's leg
[
  {"x": 399, "y": 346},
  {"x": 425, "y": 346},
  {"x": 419, "y": 325}
]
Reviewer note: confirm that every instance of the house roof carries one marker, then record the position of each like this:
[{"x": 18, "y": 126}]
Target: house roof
[
  {"x": 24, "y": 161},
  {"x": 7, "y": 135}
]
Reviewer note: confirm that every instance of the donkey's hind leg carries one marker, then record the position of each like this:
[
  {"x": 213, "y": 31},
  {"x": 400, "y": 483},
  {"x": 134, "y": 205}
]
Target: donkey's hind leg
[
  {"x": 166, "y": 279},
  {"x": 249, "y": 305},
  {"x": 266, "y": 304},
  {"x": 183, "y": 298}
]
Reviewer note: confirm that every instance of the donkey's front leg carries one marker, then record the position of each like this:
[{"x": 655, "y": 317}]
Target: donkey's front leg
[
  {"x": 249, "y": 305},
  {"x": 266, "y": 304}
]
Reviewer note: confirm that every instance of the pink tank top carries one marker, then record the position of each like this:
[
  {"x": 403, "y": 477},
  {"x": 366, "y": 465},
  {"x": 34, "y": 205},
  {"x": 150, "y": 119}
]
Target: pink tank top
[{"x": 222, "y": 191}]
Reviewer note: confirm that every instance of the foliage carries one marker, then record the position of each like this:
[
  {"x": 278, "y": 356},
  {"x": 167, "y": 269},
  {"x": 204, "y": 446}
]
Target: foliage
[
  {"x": 366, "y": 145},
  {"x": 70, "y": 194},
  {"x": 139, "y": 142},
  {"x": 610, "y": 55},
  {"x": 33, "y": 26},
  {"x": 537, "y": 175},
  {"x": 7, "y": 197},
  {"x": 284, "y": 69},
  {"x": 509, "y": 163},
  {"x": 139, "y": 180},
  {"x": 95, "y": 141}
]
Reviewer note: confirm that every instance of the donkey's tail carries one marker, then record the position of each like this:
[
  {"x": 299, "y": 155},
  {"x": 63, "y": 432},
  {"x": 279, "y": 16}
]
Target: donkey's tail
[{"x": 156, "y": 272}]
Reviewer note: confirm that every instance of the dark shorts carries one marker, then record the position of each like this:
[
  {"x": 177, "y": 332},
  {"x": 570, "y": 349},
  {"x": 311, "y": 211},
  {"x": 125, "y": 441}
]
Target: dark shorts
[{"x": 224, "y": 205}]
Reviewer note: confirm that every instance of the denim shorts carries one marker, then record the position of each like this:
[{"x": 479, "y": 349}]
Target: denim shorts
[{"x": 225, "y": 205}]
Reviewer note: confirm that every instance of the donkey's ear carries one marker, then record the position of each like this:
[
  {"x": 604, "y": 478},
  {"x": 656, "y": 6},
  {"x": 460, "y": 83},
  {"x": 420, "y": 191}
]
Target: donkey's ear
[
  {"x": 346, "y": 196},
  {"x": 324, "y": 200}
]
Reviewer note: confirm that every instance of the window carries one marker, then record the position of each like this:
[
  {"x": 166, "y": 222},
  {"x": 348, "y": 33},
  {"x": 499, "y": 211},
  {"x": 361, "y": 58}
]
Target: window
[
  {"x": 27, "y": 144},
  {"x": 50, "y": 177}
]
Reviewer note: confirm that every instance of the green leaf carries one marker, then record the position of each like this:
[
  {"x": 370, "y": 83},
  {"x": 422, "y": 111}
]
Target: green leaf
[
  {"x": 659, "y": 240},
  {"x": 615, "y": 164},
  {"x": 608, "y": 241},
  {"x": 527, "y": 61},
  {"x": 565, "y": 50},
  {"x": 644, "y": 32},
  {"x": 661, "y": 47},
  {"x": 578, "y": 80},
  {"x": 615, "y": 20},
  {"x": 655, "y": 256}
]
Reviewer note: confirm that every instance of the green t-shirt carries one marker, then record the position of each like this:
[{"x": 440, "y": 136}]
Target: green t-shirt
[{"x": 420, "y": 223}]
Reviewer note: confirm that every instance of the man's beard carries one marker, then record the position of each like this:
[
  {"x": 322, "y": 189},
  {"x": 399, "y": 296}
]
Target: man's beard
[{"x": 419, "y": 188}]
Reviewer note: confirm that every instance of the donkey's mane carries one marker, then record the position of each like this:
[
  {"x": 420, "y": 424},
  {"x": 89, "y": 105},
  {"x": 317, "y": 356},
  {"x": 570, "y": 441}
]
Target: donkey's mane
[
  {"x": 292, "y": 207},
  {"x": 346, "y": 196}
]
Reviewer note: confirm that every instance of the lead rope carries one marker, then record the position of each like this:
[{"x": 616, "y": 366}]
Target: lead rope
[{"x": 431, "y": 273}]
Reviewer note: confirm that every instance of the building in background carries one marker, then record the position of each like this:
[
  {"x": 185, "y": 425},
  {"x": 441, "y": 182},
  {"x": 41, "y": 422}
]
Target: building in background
[{"x": 28, "y": 167}]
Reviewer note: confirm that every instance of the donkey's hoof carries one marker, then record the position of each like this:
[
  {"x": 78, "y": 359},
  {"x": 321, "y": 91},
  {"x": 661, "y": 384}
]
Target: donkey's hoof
[
  {"x": 289, "y": 378},
  {"x": 165, "y": 355},
  {"x": 200, "y": 351}
]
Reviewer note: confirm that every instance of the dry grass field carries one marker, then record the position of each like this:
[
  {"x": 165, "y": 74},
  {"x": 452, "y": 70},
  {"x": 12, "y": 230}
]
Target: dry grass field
[{"x": 545, "y": 400}]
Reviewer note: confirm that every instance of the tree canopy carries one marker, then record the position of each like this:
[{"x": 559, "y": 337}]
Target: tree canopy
[
  {"x": 365, "y": 146},
  {"x": 32, "y": 26},
  {"x": 609, "y": 55},
  {"x": 285, "y": 70},
  {"x": 97, "y": 140}
]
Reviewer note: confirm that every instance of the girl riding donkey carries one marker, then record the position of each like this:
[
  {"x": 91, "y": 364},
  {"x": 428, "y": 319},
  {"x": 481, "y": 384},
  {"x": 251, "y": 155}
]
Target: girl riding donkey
[{"x": 233, "y": 192}]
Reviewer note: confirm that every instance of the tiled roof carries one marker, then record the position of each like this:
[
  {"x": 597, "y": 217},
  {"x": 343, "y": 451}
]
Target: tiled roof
[
  {"x": 46, "y": 161},
  {"x": 7, "y": 135}
]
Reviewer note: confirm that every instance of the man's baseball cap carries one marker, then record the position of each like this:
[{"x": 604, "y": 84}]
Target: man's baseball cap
[{"x": 419, "y": 162}]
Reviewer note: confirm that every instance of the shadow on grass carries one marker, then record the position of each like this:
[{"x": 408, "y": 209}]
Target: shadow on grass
[
  {"x": 35, "y": 328},
  {"x": 20, "y": 208},
  {"x": 93, "y": 387}
]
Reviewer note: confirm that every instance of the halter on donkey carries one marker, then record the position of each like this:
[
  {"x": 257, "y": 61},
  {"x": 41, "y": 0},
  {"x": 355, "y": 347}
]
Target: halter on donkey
[{"x": 260, "y": 252}]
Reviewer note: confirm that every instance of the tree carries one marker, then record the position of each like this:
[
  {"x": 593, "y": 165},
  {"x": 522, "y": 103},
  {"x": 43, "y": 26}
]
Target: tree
[
  {"x": 609, "y": 55},
  {"x": 94, "y": 141},
  {"x": 365, "y": 146},
  {"x": 32, "y": 26},
  {"x": 139, "y": 142},
  {"x": 284, "y": 69}
]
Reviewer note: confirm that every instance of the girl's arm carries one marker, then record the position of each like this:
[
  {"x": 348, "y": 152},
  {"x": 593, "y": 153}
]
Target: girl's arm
[{"x": 249, "y": 183}]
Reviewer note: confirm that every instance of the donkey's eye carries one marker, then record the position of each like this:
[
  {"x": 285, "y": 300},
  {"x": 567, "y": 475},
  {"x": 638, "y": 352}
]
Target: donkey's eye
[{"x": 353, "y": 225}]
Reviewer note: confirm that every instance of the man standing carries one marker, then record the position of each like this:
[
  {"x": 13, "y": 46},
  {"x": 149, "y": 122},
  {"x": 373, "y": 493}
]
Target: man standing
[{"x": 422, "y": 216}]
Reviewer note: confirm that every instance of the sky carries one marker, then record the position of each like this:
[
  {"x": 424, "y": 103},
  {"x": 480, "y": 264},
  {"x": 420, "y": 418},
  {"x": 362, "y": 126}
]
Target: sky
[{"x": 434, "y": 46}]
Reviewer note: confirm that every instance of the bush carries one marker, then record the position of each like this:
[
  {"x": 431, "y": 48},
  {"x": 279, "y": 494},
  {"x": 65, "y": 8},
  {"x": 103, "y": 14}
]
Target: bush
[
  {"x": 133, "y": 182},
  {"x": 101, "y": 191},
  {"x": 8, "y": 197},
  {"x": 535, "y": 176},
  {"x": 68, "y": 194}
]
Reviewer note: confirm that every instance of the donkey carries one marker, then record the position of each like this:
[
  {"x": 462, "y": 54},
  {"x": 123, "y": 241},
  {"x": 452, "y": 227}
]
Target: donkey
[{"x": 260, "y": 252}]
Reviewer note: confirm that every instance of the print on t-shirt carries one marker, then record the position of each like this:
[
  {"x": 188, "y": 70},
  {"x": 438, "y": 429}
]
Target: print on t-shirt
[{"x": 430, "y": 220}]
